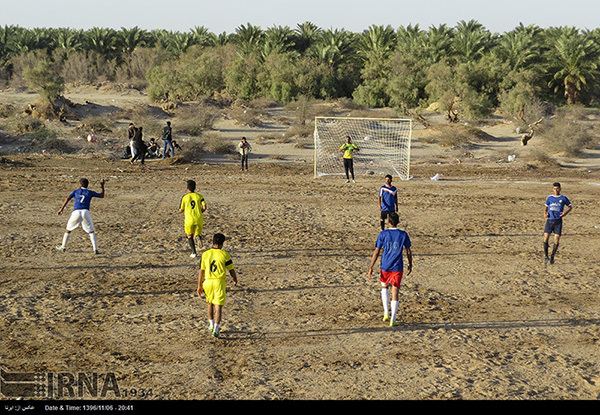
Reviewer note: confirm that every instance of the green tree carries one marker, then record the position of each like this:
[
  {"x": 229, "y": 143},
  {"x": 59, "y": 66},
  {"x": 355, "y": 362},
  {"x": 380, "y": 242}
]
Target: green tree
[
  {"x": 573, "y": 63},
  {"x": 44, "y": 78}
]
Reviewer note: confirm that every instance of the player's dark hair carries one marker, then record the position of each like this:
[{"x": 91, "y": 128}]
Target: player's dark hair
[
  {"x": 393, "y": 218},
  {"x": 169, "y": 123},
  {"x": 218, "y": 239},
  {"x": 84, "y": 182},
  {"x": 191, "y": 185},
  {"x": 556, "y": 184},
  {"x": 388, "y": 175}
]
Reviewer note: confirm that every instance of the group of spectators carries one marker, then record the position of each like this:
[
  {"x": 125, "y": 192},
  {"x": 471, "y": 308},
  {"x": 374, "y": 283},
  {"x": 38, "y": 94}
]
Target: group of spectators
[{"x": 138, "y": 149}]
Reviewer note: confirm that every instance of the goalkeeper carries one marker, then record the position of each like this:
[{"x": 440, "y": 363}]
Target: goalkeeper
[{"x": 348, "y": 148}]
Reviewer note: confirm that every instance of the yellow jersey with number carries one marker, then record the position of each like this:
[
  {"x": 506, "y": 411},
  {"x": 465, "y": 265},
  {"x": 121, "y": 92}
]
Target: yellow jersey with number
[
  {"x": 192, "y": 204},
  {"x": 216, "y": 263}
]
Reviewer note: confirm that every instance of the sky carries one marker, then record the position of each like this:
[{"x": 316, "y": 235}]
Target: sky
[{"x": 220, "y": 16}]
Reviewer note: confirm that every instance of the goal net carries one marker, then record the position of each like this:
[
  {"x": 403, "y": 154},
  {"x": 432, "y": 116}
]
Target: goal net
[{"x": 383, "y": 143}]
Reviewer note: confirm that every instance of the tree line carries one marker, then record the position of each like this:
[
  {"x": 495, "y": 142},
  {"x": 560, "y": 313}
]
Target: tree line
[{"x": 466, "y": 70}]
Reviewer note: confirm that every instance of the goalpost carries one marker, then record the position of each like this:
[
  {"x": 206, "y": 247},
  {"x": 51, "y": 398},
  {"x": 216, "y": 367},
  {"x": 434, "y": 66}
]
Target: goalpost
[{"x": 384, "y": 145}]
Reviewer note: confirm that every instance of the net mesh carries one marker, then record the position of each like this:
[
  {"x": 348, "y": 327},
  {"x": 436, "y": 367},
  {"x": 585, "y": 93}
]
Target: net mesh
[{"x": 384, "y": 145}]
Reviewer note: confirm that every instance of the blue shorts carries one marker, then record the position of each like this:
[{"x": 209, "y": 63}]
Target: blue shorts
[{"x": 553, "y": 226}]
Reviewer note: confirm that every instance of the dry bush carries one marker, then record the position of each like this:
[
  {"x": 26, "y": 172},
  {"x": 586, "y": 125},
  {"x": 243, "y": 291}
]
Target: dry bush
[
  {"x": 19, "y": 124},
  {"x": 219, "y": 145},
  {"x": 456, "y": 136},
  {"x": 304, "y": 143},
  {"x": 98, "y": 124},
  {"x": 196, "y": 119},
  {"x": 349, "y": 104},
  {"x": 569, "y": 138},
  {"x": 263, "y": 102},
  {"x": 539, "y": 156},
  {"x": 301, "y": 131},
  {"x": 191, "y": 152},
  {"x": 7, "y": 110},
  {"x": 245, "y": 116}
]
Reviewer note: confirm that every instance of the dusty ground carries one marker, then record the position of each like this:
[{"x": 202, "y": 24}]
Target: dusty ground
[{"x": 481, "y": 316}]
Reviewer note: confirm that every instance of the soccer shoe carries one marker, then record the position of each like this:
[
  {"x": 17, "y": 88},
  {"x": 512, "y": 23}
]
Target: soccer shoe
[
  {"x": 546, "y": 259},
  {"x": 386, "y": 317},
  {"x": 216, "y": 334},
  {"x": 393, "y": 324},
  {"x": 552, "y": 259},
  {"x": 353, "y": 181},
  {"x": 347, "y": 181},
  {"x": 97, "y": 252},
  {"x": 193, "y": 255},
  {"x": 60, "y": 248}
]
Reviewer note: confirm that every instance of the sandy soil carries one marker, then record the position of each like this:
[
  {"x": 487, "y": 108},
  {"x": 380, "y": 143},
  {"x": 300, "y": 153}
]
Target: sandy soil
[{"x": 481, "y": 316}]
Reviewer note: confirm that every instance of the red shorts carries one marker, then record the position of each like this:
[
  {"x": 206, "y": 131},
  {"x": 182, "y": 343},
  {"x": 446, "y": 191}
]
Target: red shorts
[{"x": 393, "y": 278}]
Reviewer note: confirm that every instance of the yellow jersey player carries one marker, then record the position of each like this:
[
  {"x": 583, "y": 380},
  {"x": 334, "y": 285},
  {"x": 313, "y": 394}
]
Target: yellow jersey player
[
  {"x": 193, "y": 206},
  {"x": 212, "y": 280},
  {"x": 348, "y": 148}
]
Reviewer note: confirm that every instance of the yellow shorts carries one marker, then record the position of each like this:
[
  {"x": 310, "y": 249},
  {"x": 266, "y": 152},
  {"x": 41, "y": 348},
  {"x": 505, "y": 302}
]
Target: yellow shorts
[
  {"x": 214, "y": 290},
  {"x": 193, "y": 228}
]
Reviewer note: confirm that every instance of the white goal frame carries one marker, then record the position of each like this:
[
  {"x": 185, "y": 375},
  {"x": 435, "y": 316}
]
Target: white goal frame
[{"x": 384, "y": 145}]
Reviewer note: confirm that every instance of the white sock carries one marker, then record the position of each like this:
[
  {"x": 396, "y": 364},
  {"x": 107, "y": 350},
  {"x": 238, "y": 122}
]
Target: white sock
[
  {"x": 394, "y": 310},
  {"x": 385, "y": 299},
  {"x": 65, "y": 239},
  {"x": 216, "y": 328},
  {"x": 94, "y": 242},
  {"x": 211, "y": 324}
]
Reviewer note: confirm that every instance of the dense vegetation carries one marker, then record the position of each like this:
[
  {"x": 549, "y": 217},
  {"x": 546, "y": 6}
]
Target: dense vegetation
[{"x": 466, "y": 70}]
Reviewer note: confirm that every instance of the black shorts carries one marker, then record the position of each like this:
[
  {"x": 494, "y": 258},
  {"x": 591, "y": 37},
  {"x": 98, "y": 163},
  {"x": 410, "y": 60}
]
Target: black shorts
[
  {"x": 385, "y": 214},
  {"x": 553, "y": 226}
]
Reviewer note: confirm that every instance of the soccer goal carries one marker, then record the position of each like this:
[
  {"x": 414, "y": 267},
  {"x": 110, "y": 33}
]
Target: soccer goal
[{"x": 384, "y": 145}]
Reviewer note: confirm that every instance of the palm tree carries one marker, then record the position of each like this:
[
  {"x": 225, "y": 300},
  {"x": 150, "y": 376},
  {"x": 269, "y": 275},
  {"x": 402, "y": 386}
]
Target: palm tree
[
  {"x": 471, "y": 41},
  {"x": 130, "y": 39},
  {"x": 248, "y": 38},
  {"x": 102, "y": 41},
  {"x": 438, "y": 43},
  {"x": 521, "y": 47},
  {"x": 377, "y": 42},
  {"x": 278, "y": 39},
  {"x": 307, "y": 34},
  {"x": 203, "y": 37},
  {"x": 22, "y": 40},
  {"x": 410, "y": 38},
  {"x": 68, "y": 39},
  {"x": 574, "y": 63},
  {"x": 334, "y": 47}
]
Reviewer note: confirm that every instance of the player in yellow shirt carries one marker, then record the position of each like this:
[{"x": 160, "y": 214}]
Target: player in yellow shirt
[
  {"x": 212, "y": 280},
  {"x": 349, "y": 148},
  {"x": 193, "y": 206}
]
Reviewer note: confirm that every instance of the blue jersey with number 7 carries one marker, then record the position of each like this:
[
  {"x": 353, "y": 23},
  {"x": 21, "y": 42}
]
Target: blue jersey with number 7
[{"x": 83, "y": 197}]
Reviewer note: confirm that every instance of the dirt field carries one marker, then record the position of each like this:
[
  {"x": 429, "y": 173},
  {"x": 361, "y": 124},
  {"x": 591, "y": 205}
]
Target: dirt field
[{"x": 481, "y": 316}]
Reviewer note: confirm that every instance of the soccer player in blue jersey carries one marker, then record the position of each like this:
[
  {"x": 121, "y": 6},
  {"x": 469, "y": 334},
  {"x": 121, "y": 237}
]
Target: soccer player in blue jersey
[
  {"x": 557, "y": 207},
  {"x": 392, "y": 242},
  {"x": 81, "y": 213},
  {"x": 388, "y": 200}
]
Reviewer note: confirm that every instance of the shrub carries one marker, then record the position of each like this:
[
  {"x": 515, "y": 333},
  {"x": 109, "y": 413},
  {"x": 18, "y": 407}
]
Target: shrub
[
  {"x": 196, "y": 119},
  {"x": 191, "y": 152},
  {"x": 569, "y": 138},
  {"x": 218, "y": 144}
]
